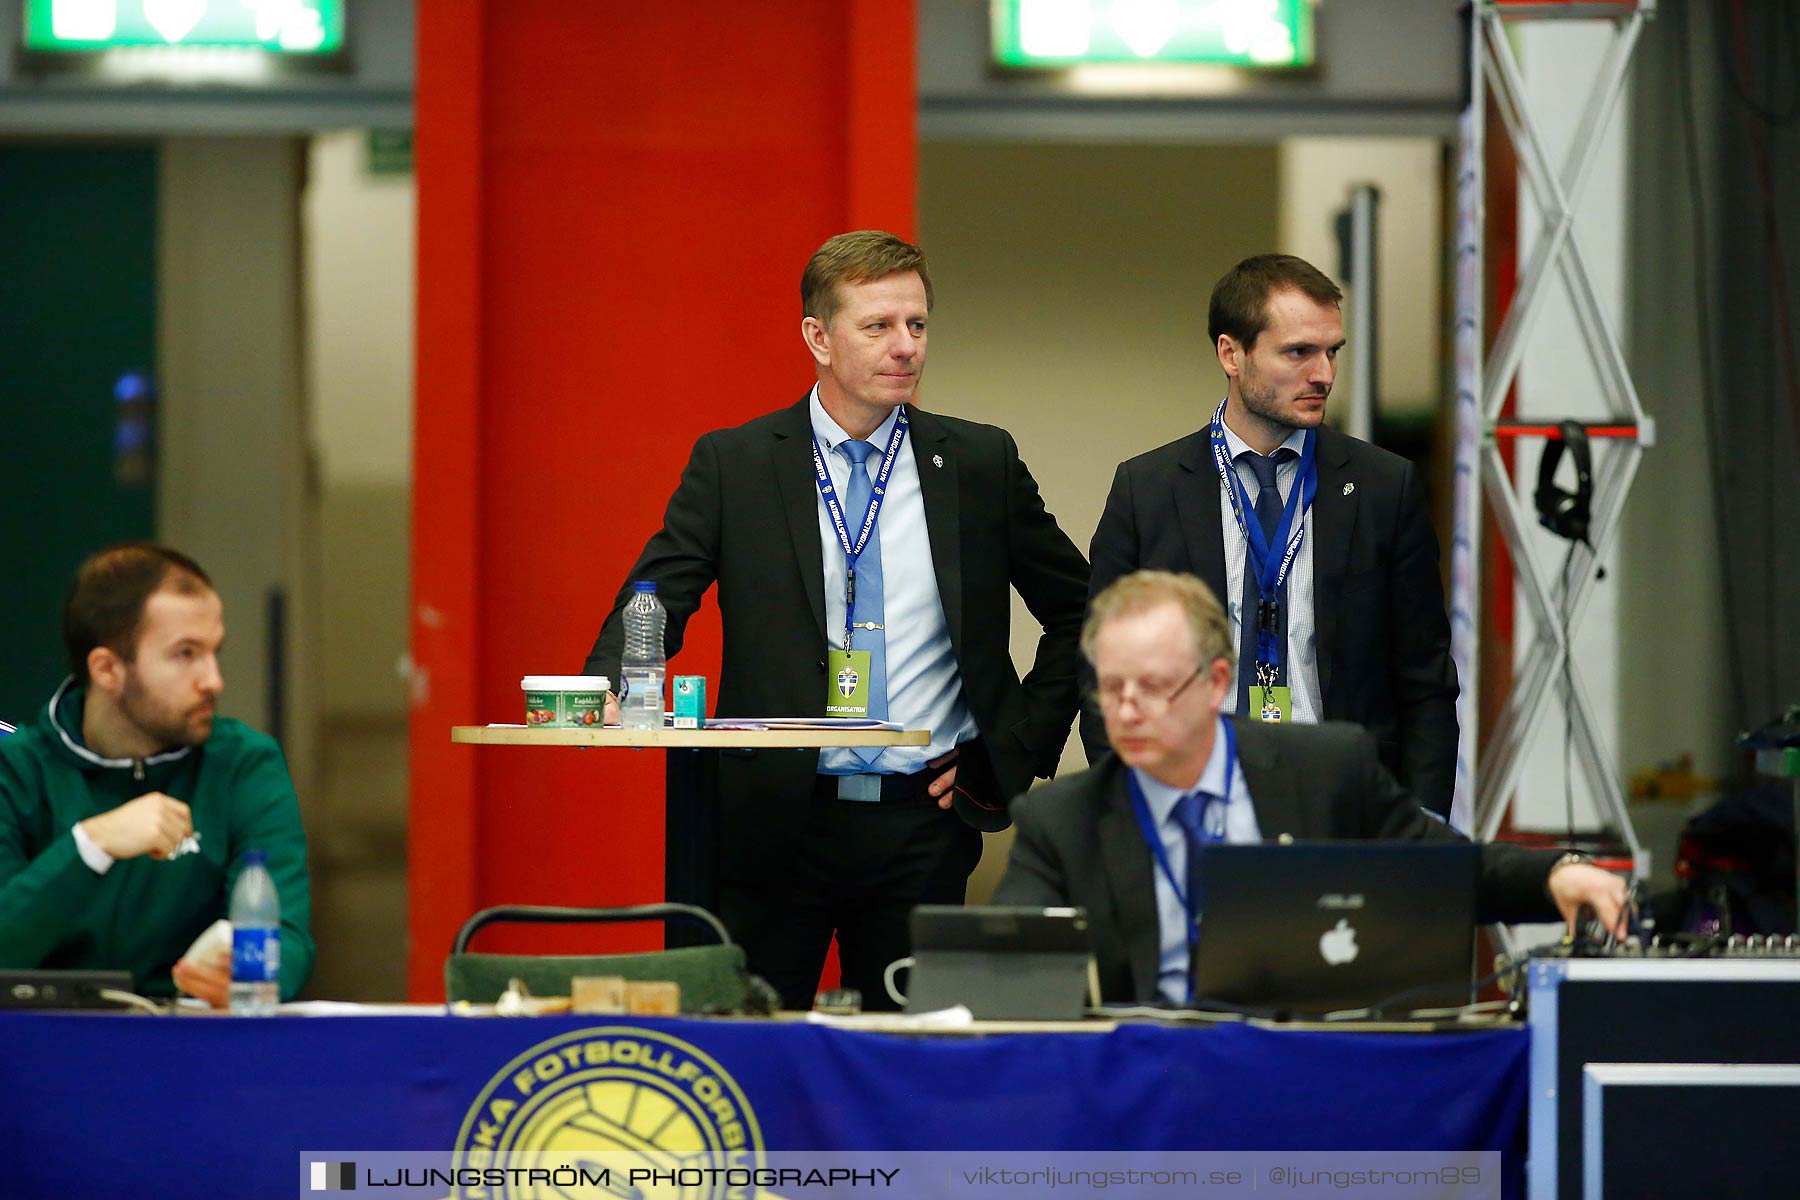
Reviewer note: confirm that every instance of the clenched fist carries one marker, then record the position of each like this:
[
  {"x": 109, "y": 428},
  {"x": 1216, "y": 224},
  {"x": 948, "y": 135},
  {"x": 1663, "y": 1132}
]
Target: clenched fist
[{"x": 153, "y": 824}]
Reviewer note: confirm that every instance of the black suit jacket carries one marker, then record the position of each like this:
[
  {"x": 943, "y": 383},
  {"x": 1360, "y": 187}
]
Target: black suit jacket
[
  {"x": 1078, "y": 843},
  {"x": 745, "y": 516},
  {"x": 1378, "y": 604}
]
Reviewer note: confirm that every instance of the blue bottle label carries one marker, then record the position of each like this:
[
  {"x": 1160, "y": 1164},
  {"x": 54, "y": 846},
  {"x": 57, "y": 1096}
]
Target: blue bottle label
[{"x": 255, "y": 956}]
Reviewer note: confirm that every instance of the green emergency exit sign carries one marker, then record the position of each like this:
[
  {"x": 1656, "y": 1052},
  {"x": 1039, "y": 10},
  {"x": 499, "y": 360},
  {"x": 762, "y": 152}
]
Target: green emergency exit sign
[
  {"x": 1065, "y": 33},
  {"x": 275, "y": 26}
]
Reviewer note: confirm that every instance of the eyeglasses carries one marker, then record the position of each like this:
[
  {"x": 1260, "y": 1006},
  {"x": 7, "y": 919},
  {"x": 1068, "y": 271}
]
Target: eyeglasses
[{"x": 1152, "y": 699}]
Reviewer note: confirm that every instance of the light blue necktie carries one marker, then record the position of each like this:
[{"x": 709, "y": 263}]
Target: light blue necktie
[{"x": 869, "y": 604}]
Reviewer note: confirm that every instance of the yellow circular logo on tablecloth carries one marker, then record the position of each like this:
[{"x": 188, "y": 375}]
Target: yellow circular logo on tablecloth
[{"x": 614, "y": 1095}]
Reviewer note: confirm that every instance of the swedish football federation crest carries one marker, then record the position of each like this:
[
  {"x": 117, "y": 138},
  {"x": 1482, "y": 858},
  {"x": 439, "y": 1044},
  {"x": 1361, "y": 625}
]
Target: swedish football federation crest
[
  {"x": 1272, "y": 704},
  {"x": 612, "y": 1095},
  {"x": 847, "y": 683}
]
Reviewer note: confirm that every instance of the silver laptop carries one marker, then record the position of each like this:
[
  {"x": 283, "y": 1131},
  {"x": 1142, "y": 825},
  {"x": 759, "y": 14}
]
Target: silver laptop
[{"x": 1314, "y": 927}]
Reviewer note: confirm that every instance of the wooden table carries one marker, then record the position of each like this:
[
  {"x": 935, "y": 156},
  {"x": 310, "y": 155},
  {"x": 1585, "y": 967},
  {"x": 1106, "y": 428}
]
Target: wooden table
[
  {"x": 691, "y": 799},
  {"x": 688, "y": 739}
]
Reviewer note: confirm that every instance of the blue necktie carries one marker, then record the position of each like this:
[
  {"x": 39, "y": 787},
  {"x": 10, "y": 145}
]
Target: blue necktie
[
  {"x": 869, "y": 604},
  {"x": 1191, "y": 813},
  {"x": 1268, "y": 515}
]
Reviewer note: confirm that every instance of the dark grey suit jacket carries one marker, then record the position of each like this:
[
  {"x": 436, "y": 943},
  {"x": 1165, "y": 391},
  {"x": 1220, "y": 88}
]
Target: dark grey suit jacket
[
  {"x": 1383, "y": 637},
  {"x": 1078, "y": 842},
  {"x": 745, "y": 516}
]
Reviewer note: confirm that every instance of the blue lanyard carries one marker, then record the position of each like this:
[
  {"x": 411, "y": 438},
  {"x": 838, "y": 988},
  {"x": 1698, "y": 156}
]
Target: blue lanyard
[
  {"x": 1271, "y": 572},
  {"x": 1147, "y": 824},
  {"x": 828, "y": 490}
]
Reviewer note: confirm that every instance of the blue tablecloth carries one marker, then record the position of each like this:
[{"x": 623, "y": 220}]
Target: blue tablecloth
[{"x": 116, "y": 1105}]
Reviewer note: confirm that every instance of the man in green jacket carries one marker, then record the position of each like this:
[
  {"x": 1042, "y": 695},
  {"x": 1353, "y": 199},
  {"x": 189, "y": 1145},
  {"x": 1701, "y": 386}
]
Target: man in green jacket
[{"x": 126, "y": 805}]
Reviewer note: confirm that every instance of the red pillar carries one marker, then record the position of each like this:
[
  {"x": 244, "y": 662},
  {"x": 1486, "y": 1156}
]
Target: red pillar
[{"x": 615, "y": 202}]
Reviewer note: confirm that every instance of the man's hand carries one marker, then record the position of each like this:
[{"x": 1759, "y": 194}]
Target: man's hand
[
  {"x": 1575, "y": 884},
  {"x": 944, "y": 786},
  {"x": 610, "y": 714},
  {"x": 153, "y": 824},
  {"x": 210, "y": 981}
]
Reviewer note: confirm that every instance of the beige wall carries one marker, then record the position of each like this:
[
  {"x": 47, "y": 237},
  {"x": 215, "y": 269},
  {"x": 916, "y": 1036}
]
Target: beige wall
[
  {"x": 234, "y": 484},
  {"x": 359, "y": 301},
  {"x": 359, "y": 304},
  {"x": 1071, "y": 308},
  {"x": 1317, "y": 175},
  {"x": 359, "y": 308}
]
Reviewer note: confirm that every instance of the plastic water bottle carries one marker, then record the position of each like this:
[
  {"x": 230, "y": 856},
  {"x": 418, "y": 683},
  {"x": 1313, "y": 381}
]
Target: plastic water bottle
[
  {"x": 255, "y": 939},
  {"x": 643, "y": 665}
]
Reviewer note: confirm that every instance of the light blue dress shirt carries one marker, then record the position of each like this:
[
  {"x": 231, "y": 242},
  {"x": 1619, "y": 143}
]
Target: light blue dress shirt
[
  {"x": 1240, "y": 829},
  {"x": 924, "y": 688}
]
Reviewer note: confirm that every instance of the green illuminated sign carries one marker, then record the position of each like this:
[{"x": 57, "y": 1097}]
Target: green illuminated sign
[
  {"x": 277, "y": 26},
  {"x": 1065, "y": 33}
]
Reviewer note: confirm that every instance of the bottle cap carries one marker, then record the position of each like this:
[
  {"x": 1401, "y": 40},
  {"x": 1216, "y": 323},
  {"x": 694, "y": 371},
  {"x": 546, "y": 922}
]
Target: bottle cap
[
  {"x": 255, "y": 858},
  {"x": 645, "y": 585}
]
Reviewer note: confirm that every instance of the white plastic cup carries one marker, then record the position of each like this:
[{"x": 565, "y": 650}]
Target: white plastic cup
[{"x": 565, "y": 701}]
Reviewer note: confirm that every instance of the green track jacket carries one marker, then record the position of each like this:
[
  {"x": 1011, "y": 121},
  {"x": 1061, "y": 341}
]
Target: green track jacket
[{"x": 143, "y": 913}]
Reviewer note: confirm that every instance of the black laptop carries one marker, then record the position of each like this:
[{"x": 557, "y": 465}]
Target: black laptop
[
  {"x": 40, "y": 988},
  {"x": 1003, "y": 962},
  {"x": 1316, "y": 927}
]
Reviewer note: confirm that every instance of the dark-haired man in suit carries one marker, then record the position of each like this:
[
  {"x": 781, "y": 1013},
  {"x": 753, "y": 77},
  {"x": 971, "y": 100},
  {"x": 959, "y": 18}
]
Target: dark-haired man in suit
[
  {"x": 1319, "y": 544},
  {"x": 128, "y": 805},
  {"x": 1117, "y": 838},
  {"x": 865, "y": 552}
]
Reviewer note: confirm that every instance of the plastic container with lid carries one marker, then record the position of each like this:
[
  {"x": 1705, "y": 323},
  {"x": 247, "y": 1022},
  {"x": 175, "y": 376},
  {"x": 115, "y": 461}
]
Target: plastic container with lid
[{"x": 565, "y": 701}]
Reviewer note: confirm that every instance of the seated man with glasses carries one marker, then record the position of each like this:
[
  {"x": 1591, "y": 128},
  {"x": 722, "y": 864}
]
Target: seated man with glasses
[{"x": 1161, "y": 650}]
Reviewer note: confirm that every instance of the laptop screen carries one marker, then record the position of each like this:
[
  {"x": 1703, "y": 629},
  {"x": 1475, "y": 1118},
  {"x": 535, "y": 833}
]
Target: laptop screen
[
  {"x": 1004, "y": 963},
  {"x": 1315, "y": 927}
]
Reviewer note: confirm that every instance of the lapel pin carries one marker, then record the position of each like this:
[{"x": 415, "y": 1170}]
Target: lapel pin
[
  {"x": 937, "y": 460},
  {"x": 1348, "y": 488}
]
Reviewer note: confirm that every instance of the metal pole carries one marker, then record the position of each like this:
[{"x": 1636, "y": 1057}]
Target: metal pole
[{"x": 1359, "y": 232}]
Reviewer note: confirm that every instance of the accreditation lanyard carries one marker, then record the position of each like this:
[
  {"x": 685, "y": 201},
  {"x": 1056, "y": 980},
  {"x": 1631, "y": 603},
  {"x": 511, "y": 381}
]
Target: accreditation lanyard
[
  {"x": 1140, "y": 805},
  {"x": 1271, "y": 571},
  {"x": 853, "y": 550}
]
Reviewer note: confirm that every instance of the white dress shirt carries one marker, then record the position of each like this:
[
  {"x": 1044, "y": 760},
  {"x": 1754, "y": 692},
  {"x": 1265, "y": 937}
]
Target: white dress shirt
[
  {"x": 1240, "y": 829},
  {"x": 924, "y": 687},
  {"x": 97, "y": 860},
  {"x": 1302, "y": 628}
]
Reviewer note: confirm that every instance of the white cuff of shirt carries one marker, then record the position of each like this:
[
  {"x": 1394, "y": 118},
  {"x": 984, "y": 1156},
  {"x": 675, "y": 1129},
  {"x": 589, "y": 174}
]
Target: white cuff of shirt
[{"x": 98, "y": 860}]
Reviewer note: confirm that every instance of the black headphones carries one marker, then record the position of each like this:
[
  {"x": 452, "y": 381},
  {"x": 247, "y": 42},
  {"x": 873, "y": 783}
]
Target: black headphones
[{"x": 1566, "y": 513}]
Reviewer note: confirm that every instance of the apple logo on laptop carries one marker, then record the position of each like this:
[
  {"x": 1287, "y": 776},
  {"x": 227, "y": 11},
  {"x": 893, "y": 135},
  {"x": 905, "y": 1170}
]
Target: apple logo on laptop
[{"x": 1337, "y": 945}]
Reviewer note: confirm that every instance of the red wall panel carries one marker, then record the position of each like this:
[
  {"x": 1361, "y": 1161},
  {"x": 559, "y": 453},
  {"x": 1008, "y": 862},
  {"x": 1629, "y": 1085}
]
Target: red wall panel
[{"x": 615, "y": 202}]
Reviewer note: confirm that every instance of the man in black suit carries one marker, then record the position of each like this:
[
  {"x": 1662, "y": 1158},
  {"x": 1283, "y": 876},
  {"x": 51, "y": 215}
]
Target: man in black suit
[
  {"x": 1161, "y": 651},
  {"x": 1356, "y": 629},
  {"x": 904, "y": 612}
]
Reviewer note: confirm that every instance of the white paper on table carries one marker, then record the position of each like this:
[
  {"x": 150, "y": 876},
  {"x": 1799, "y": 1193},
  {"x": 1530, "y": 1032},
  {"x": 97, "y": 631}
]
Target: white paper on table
[
  {"x": 955, "y": 1017},
  {"x": 346, "y": 1008},
  {"x": 803, "y": 723}
]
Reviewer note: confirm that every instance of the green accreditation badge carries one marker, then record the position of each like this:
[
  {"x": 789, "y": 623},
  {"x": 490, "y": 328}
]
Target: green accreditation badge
[
  {"x": 1272, "y": 704},
  {"x": 847, "y": 683}
]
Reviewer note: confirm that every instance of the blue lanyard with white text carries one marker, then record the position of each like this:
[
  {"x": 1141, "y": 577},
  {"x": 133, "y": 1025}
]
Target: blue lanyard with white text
[
  {"x": 1271, "y": 573},
  {"x": 1147, "y": 824},
  {"x": 878, "y": 493}
]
